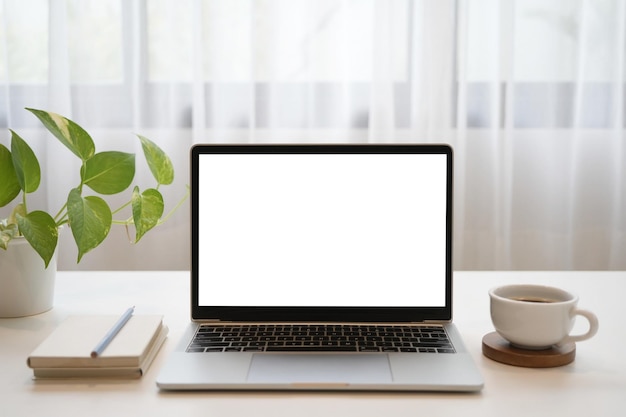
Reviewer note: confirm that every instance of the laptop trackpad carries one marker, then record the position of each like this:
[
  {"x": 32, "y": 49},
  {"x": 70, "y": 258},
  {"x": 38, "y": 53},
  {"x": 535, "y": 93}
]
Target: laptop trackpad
[{"x": 319, "y": 368}]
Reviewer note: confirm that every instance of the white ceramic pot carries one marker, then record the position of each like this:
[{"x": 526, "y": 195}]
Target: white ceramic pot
[{"x": 26, "y": 287}]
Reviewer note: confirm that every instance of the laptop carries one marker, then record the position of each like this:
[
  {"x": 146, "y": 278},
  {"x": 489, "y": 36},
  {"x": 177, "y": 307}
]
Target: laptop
[{"x": 321, "y": 267}]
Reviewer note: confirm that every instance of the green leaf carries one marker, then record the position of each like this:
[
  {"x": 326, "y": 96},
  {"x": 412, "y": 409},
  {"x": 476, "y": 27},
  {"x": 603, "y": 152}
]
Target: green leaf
[
  {"x": 9, "y": 185},
  {"x": 18, "y": 210},
  {"x": 25, "y": 164},
  {"x": 109, "y": 172},
  {"x": 160, "y": 164},
  {"x": 147, "y": 210},
  {"x": 74, "y": 137},
  {"x": 7, "y": 233},
  {"x": 9, "y": 228},
  {"x": 90, "y": 220},
  {"x": 40, "y": 230}
]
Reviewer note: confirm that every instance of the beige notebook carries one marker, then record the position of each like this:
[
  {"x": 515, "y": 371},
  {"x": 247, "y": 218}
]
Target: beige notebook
[{"x": 66, "y": 352}]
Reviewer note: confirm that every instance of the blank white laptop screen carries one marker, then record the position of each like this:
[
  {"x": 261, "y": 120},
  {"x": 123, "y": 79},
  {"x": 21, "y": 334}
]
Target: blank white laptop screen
[{"x": 348, "y": 230}]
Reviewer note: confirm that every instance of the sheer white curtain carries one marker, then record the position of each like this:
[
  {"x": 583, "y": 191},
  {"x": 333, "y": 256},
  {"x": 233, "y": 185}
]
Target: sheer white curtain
[{"x": 530, "y": 93}]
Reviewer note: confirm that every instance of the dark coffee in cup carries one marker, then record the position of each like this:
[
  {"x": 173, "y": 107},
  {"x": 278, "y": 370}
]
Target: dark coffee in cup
[{"x": 533, "y": 299}]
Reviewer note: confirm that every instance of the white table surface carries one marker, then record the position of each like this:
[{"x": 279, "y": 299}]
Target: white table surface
[{"x": 593, "y": 385}]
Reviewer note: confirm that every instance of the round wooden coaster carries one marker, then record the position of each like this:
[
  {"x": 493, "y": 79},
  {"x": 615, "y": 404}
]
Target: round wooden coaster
[{"x": 498, "y": 349}]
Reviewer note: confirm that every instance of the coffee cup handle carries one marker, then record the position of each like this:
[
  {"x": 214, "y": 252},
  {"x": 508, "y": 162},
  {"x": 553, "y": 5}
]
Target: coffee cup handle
[{"x": 593, "y": 327}]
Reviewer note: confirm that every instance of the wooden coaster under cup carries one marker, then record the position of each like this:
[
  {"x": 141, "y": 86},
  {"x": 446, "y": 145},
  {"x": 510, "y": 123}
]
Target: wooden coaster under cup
[{"x": 499, "y": 350}]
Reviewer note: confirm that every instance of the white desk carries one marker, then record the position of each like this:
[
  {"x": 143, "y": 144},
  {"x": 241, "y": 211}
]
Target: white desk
[{"x": 594, "y": 385}]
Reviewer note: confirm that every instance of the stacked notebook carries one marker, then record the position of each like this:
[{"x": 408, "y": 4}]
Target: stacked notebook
[{"x": 66, "y": 353}]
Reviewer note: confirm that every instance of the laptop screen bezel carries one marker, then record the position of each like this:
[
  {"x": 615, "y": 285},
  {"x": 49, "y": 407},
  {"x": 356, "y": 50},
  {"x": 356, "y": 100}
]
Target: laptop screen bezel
[{"x": 319, "y": 314}]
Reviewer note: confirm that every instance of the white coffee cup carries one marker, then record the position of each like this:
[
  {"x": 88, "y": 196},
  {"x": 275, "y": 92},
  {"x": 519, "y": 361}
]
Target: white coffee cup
[{"x": 537, "y": 317}]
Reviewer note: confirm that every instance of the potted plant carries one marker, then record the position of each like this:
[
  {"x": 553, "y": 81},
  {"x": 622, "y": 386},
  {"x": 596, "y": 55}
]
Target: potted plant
[{"x": 29, "y": 234}]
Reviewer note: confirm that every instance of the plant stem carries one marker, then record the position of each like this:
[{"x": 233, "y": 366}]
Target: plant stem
[
  {"x": 59, "y": 215},
  {"x": 24, "y": 202},
  {"x": 180, "y": 203},
  {"x": 121, "y": 208}
]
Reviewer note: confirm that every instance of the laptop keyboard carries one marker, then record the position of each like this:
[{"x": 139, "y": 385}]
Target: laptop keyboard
[{"x": 317, "y": 338}]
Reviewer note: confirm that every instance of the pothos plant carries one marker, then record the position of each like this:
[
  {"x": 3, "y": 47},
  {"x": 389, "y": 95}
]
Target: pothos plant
[{"x": 89, "y": 217}]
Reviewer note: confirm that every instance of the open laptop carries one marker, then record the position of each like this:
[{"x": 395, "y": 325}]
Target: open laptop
[{"x": 321, "y": 267}]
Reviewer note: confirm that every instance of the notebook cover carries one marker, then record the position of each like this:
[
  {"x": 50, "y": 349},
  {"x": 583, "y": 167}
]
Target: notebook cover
[
  {"x": 71, "y": 343},
  {"x": 106, "y": 372}
]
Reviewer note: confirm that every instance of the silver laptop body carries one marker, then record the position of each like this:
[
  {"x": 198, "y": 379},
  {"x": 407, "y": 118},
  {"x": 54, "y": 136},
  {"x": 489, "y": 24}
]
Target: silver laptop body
[{"x": 320, "y": 235}]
